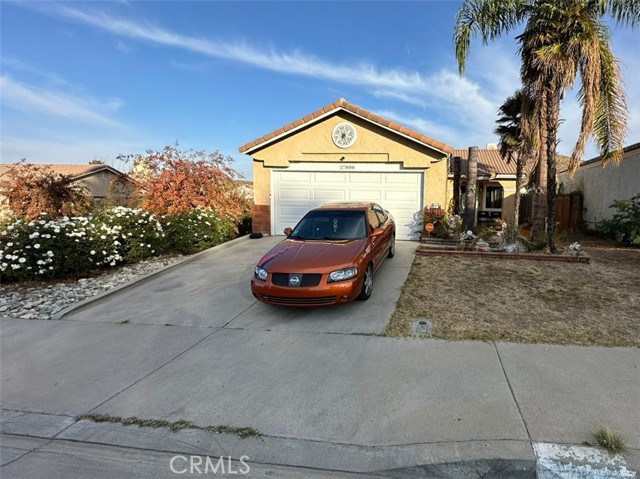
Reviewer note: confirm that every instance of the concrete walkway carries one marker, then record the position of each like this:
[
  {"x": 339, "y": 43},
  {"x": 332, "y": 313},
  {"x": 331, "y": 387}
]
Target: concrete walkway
[{"x": 323, "y": 391}]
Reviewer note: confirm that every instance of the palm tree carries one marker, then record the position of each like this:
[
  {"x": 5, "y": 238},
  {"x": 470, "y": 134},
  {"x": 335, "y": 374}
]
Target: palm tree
[
  {"x": 511, "y": 143},
  {"x": 562, "y": 40}
]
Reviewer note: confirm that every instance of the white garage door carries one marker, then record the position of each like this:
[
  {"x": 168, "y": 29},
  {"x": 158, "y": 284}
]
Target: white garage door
[{"x": 296, "y": 192}]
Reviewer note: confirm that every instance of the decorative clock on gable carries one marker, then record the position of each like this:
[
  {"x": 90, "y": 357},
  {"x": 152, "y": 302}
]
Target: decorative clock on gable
[{"x": 344, "y": 135}]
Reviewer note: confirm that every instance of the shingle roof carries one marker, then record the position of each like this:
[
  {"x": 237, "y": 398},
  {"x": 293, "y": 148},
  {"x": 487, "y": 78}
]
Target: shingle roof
[
  {"x": 72, "y": 170},
  {"x": 356, "y": 110},
  {"x": 491, "y": 163}
]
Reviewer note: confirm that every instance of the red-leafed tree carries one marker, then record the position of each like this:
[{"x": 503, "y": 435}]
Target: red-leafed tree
[
  {"x": 34, "y": 189},
  {"x": 172, "y": 181}
]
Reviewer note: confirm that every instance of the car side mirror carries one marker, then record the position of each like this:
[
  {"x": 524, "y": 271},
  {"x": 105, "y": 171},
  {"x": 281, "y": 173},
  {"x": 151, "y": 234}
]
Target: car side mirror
[
  {"x": 288, "y": 231},
  {"x": 377, "y": 232}
]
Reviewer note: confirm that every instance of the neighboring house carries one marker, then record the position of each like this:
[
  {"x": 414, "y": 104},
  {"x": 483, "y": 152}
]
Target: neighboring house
[
  {"x": 601, "y": 185},
  {"x": 341, "y": 153},
  {"x": 97, "y": 178},
  {"x": 496, "y": 184}
]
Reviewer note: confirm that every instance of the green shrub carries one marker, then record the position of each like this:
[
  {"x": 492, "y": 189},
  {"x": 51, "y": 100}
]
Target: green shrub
[
  {"x": 71, "y": 247},
  {"x": 624, "y": 226},
  {"x": 126, "y": 234},
  {"x": 197, "y": 230},
  {"x": 438, "y": 218},
  {"x": 44, "y": 249}
]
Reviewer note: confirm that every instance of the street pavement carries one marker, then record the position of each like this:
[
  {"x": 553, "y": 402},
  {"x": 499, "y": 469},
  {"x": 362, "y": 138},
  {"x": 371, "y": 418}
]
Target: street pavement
[{"x": 330, "y": 397}]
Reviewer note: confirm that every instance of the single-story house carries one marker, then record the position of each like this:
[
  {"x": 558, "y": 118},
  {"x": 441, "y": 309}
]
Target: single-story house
[
  {"x": 101, "y": 180},
  {"x": 344, "y": 153},
  {"x": 601, "y": 184}
]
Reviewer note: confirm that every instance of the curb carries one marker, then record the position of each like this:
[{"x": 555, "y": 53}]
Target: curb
[
  {"x": 497, "y": 459},
  {"x": 132, "y": 284}
]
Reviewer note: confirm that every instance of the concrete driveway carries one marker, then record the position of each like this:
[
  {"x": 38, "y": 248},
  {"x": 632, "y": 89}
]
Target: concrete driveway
[
  {"x": 325, "y": 396},
  {"x": 213, "y": 291}
]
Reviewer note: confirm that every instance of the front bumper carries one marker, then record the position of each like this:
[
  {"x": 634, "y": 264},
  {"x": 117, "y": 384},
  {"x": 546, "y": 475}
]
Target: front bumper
[{"x": 325, "y": 294}]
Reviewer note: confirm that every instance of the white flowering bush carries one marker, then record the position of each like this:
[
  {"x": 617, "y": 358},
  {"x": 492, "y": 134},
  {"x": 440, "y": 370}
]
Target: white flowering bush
[
  {"x": 70, "y": 247},
  {"x": 126, "y": 234},
  {"x": 43, "y": 249},
  {"x": 198, "y": 229}
]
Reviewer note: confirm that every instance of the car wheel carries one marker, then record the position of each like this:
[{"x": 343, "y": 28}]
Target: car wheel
[
  {"x": 392, "y": 247},
  {"x": 367, "y": 284}
]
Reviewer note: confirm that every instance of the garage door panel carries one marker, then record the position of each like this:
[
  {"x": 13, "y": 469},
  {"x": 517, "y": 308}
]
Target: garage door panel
[
  {"x": 298, "y": 192},
  {"x": 365, "y": 195},
  {"x": 293, "y": 177},
  {"x": 333, "y": 178},
  {"x": 290, "y": 194},
  {"x": 410, "y": 196},
  {"x": 359, "y": 178},
  {"x": 330, "y": 195},
  {"x": 407, "y": 179}
]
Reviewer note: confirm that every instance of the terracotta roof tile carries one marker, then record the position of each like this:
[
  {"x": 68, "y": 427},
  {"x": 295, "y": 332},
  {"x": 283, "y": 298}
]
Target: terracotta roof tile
[
  {"x": 344, "y": 104},
  {"x": 491, "y": 163}
]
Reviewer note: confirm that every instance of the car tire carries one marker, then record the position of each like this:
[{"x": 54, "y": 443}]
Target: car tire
[
  {"x": 392, "y": 248},
  {"x": 367, "y": 284}
]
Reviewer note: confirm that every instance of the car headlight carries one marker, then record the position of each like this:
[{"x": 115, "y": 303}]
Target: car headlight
[
  {"x": 342, "y": 275},
  {"x": 260, "y": 273}
]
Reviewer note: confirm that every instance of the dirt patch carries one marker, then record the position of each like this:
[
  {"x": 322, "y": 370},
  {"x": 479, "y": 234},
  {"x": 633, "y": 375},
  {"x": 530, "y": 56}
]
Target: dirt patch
[{"x": 526, "y": 302}]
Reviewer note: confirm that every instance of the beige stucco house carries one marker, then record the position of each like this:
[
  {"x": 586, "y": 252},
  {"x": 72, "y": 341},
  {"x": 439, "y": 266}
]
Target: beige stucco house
[
  {"x": 344, "y": 153},
  {"x": 601, "y": 185}
]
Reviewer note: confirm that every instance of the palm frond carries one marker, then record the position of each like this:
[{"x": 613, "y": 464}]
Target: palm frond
[
  {"x": 625, "y": 12},
  {"x": 610, "y": 120},
  {"x": 489, "y": 18}
]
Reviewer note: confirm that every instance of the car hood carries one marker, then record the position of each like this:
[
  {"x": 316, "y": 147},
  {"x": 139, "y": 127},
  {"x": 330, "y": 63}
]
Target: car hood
[{"x": 299, "y": 256}]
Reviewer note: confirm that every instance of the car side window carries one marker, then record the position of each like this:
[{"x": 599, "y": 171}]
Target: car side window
[
  {"x": 382, "y": 214},
  {"x": 374, "y": 221}
]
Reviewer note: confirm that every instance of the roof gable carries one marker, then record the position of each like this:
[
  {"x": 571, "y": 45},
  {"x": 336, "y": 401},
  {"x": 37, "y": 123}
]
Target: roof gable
[
  {"x": 72, "y": 170},
  {"x": 331, "y": 109}
]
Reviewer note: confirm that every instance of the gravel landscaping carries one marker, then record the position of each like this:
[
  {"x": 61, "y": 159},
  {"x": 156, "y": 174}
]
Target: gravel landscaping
[{"x": 43, "y": 300}]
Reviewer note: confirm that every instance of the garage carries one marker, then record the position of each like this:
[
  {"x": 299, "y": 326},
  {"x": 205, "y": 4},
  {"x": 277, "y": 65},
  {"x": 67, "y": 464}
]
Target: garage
[
  {"x": 296, "y": 192},
  {"x": 342, "y": 152}
]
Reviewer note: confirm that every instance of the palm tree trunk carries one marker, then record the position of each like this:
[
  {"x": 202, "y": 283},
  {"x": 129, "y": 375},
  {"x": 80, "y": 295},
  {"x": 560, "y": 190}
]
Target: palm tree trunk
[
  {"x": 520, "y": 163},
  {"x": 539, "y": 214},
  {"x": 469, "y": 218},
  {"x": 553, "y": 121}
]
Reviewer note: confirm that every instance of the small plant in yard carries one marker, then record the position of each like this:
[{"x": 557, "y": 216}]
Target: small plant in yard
[
  {"x": 610, "y": 440},
  {"x": 576, "y": 248},
  {"x": 624, "y": 226},
  {"x": 438, "y": 218}
]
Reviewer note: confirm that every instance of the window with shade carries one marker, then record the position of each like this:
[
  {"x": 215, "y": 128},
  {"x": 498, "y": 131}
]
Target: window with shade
[{"x": 493, "y": 197}]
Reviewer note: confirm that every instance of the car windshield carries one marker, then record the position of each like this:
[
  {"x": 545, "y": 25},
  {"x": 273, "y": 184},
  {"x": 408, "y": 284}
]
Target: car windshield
[{"x": 331, "y": 225}]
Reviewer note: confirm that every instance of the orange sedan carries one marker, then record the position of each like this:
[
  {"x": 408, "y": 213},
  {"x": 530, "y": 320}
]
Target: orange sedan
[{"x": 330, "y": 257}]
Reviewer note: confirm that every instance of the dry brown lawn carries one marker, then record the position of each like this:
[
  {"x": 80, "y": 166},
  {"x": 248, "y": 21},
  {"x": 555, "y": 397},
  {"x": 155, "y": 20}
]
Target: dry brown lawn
[{"x": 526, "y": 301}]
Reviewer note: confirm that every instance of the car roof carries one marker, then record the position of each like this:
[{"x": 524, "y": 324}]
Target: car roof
[{"x": 351, "y": 205}]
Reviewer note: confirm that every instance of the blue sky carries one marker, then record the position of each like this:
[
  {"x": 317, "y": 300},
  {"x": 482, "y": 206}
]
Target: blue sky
[{"x": 92, "y": 80}]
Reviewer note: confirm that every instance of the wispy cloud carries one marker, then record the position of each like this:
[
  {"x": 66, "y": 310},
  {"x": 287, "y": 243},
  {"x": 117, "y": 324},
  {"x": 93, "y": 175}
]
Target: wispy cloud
[
  {"x": 461, "y": 110},
  {"x": 445, "y": 88},
  {"x": 35, "y": 100}
]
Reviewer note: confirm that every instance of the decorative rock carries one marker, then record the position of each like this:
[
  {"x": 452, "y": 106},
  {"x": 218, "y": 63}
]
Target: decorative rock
[{"x": 43, "y": 302}]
